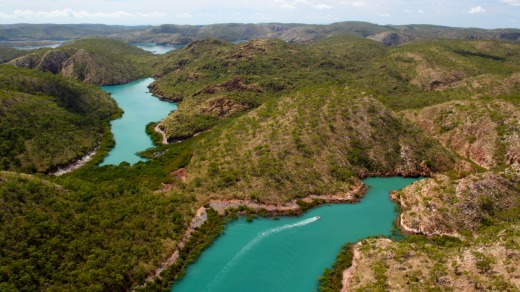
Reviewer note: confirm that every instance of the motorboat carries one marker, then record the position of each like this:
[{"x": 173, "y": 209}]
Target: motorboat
[{"x": 316, "y": 217}]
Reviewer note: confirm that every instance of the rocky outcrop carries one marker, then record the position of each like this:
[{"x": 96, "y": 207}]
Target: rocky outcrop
[
  {"x": 389, "y": 38},
  {"x": 443, "y": 206},
  {"x": 488, "y": 133},
  {"x": 234, "y": 84},
  {"x": 381, "y": 264},
  {"x": 221, "y": 107},
  {"x": 52, "y": 61}
]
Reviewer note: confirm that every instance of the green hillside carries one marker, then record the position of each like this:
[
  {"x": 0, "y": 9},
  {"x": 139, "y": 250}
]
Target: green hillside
[
  {"x": 216, "y": 80},
  {"x": 426, "y": 73},
  {"x": 316, "y": 141},
  {"x": 48, "y": 120},
  {"x": 95, "y": 61}
]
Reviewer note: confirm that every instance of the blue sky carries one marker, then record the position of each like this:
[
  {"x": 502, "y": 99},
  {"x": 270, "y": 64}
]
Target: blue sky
[{"x": 470, "y": 13}]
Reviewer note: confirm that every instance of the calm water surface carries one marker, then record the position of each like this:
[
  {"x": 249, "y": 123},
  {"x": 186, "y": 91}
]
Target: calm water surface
[
  {"x": 140, "y": 108},
  {"x": 289, "y": 254},
  {"x": 157, "y": 49}
]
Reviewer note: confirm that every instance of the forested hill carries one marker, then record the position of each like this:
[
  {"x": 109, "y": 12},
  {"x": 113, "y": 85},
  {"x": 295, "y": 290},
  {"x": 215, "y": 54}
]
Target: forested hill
[
  {"x": 94, "y": 60},
  {"x": 217, "y": 80},
  {"x": 48, "y": 120}
]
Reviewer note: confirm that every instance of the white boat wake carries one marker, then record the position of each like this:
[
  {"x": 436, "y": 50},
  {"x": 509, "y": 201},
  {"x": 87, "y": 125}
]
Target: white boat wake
[{"x": 254, "y": 242}]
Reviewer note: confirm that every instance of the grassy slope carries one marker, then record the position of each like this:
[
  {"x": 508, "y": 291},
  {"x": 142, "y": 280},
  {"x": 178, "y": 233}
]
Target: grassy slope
[
  {"x": 95, "y": 61},
  {"x": 48, "y": 120},
  {"x": 312, "y": 142},
  {"x": 420, "y": 74}
]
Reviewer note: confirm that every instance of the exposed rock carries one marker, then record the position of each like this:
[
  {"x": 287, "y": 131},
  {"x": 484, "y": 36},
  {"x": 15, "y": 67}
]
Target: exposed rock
[
  {"x": 488, "y": 133},
  {"x": 221, "y": 107},
  {"x": 52, "y": 61},
  {"x": 381, "y": 264},
  {"x": 27, "y": 61},
  {"x": 389, "y": 38},
  {"x": 441, "y": 206},
  {"x": 234, "y": 84}
]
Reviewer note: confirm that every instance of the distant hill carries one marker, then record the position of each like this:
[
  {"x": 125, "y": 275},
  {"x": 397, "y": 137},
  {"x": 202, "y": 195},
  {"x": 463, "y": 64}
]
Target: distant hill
[
  {"x": 48, "y": 120},
  {"x": 95, "y": 61},
  {"x": 25, "y": 31},
  {"x": 306, "y": 33},
  {"x": 292, "y": 32}
]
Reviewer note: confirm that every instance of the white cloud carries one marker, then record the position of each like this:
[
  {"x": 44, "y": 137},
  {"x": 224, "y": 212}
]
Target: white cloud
[
  {"x": 477, "y": 9},
  {"x": 407, "y": 11},
  {"x": 69, "y": 13},
  {"x": 384, "y": 14},
  {"x": 322, "y": 6},
  {"x": 5, "y": 15},
  {"x": 512, "y": 2},
  {"x": 359, "y": 4},
  {"x": 183, "y": 15},
  {"x": 284, "y": 4},
  {"x": 420, "y": 11}
]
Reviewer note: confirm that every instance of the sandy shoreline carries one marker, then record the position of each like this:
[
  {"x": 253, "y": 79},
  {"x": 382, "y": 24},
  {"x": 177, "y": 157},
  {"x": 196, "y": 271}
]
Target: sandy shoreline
[{"x": 76, "y": 164}]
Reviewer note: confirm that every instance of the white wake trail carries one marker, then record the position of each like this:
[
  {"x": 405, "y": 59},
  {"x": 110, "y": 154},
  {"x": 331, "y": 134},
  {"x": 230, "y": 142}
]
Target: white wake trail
[{"x": 254, "y": 242}]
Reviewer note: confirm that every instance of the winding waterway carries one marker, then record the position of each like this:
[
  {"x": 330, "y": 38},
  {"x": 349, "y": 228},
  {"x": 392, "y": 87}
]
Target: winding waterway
[
  {"x": 290, "y": 253},
  {"x": 140, "y": 107}
]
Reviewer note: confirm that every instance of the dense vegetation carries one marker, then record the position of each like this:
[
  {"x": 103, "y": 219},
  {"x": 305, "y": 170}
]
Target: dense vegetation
[
  {"x": 217, "y": 80},
  {"x": 95, "y": 61},
  {"x": 7, "y": 54},
  {"x": 100, "y": 229},
  {"x": 48, "y": 120},
  {"x": 283, "y": 121},
  {"x": 316, "y": 141}
]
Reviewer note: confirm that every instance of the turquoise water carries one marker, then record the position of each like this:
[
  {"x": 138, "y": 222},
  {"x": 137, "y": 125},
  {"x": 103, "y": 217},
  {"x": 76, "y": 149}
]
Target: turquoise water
[
  {"x": 140, "y": 108},
  {"x": 157, "y": 49},
  {"x": 289, "y": 254}
]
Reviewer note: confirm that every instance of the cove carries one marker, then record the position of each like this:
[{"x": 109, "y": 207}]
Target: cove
[
  {"x": 140, "y": 108},
  {"x": 290, "y": 253}
]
